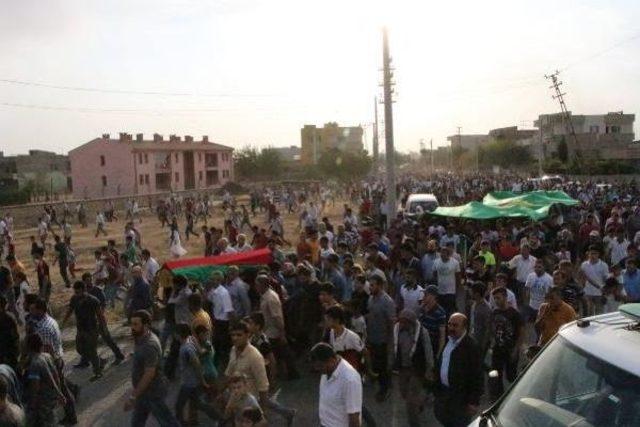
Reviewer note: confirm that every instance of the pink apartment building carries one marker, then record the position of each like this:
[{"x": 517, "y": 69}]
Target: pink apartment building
[{"x": 125, "y": 166}]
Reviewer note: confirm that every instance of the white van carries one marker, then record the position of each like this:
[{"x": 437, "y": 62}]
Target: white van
[
  {"x": 420, "y": 203},
  {"x": 587, "y": 376}
]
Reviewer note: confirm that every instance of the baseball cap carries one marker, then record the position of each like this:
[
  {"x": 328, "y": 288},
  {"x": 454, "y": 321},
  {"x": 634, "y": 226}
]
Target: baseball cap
[{"x": 431, "y": 290}]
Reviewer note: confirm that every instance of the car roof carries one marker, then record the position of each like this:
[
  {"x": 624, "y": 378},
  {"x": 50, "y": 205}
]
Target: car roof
[
  {"x": 611, "y": 337},
  {"x": 422, "y": 197}
]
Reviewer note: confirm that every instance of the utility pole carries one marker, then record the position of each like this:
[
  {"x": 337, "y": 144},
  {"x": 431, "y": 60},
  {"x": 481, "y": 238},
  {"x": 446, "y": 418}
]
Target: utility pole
[
  {"x": 459, "y": 144},
  {"x": 387, "y": 83},
  {"x": 375, "y": 136},
  {"x": 559, "y": 96},
  {"x": 431, "y": 150}
]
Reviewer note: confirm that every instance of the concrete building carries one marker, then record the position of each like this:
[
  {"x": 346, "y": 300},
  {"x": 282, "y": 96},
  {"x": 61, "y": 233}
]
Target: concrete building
[
  {"x": 45, "y": 170},
  {"x": 467, "y": 142},
  {"x": 599, "y": 136},
  {"x": 111, "y": 167},
  {"x": 314, "y": 140},
  {"x": 288, "y": 154}
]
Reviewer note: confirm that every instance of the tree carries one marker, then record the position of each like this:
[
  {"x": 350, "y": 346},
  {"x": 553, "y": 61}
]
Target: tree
[
  {"x": 505, "y": 153},
  {"x": 344, "y": 165},
  {"x": 249, "y": 163}
]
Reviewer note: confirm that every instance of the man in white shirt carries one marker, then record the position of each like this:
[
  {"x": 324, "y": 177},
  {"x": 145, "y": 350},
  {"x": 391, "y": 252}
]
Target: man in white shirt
[
  {"x": 595, "y": 272},
  {"x": 536, "y": 287},
  {"x": 221, "y": 314},
  {"x": 523, "y": 263},
  {"x": 340, "y": 402},
  {"x": 447, "y": 274},
  {"x": 150, "y": 266},
  {"x": 618, "y": 247},
  {"x": 411, "y": 293},
  {"x": 242, "y": 245}
]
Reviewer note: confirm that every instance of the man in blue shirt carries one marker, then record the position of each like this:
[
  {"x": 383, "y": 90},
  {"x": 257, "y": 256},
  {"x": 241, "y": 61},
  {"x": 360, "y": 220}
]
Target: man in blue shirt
[
  {"x": 434, "y": 319},
  {"x": 631, "y": 281}
]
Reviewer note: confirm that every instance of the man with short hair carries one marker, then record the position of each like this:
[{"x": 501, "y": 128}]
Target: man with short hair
[
  {"x": 43, "y": 385},
  {"x": 631, "y": 281},
  {"x": 536, "y": 287},
  {"x": 459, "y": 376},
  {"x": 62, "y": 257},
  {"x": 246, "y": 359},
  {"x": 414, "y": 362},
  {"x": 192, "y": 381},
  {"x": 507, "y": 334},
  {"x": 46, "y": 327},
  {"x": 149, "y": 385},
  {"x": 89, "y": 315},
  {"x": 222, "y": 312},
  {"x": 552, "y": 315},
  {"x": 238, "y": 291},
  {"x": 340, "y": 402},
  {"x": 380, "y": 321},
  {"x": 595, "y": 273},
  {"x": 523, "y": 264},
  {"x": 447, "y": 274},
  {"x": 271, "y": 308},
  {"x": 434, "y": 319}
]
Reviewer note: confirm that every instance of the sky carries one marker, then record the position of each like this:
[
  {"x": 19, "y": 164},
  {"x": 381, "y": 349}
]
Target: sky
[{"x": 253, "y": 72}]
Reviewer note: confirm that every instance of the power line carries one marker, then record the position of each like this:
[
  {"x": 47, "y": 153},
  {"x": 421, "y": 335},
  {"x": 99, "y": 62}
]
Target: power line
[
  {"x": 602, "y": 52},
  {"x": 127, "y": 92},
  {"x": 109, "y": 110}
]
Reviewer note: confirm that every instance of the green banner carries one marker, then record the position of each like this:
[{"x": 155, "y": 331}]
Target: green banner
[{"x": 506, "y": 204}]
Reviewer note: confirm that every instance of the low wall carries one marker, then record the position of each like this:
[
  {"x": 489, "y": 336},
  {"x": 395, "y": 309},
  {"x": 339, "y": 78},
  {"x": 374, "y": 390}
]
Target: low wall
[{"x": 27, "y": 215}]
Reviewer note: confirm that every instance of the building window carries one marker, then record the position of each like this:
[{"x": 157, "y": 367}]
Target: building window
[
  {"x": 594, "y": 129},
  {"x": 140, "y": 158},
  {"x": 146, "y": 179},
  {"x": 176, "y": 156},
  {"x": 615, "y": 129},
  {"x": 200, "y": 176},
  {"x": 146, "y": 158},
  {"x": 101, "y": 160},
  {"x": 199, "y": 157},
  {"x": 104, "y": 181},
  {"x": 141, "y": 179},
  {"x": 177, "y": 177}
]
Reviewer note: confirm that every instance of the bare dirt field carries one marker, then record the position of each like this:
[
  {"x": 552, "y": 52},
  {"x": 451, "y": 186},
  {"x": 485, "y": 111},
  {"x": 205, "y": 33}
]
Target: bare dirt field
[{"x": 154, "y": 238}]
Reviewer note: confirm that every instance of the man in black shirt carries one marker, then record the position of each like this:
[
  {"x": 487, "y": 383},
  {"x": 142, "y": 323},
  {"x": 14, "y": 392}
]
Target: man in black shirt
[
  {"x": 103, "y": 330},
  {"x": 89, "y": 315},
  {"x": 62, "y": 256},
  {"x": 507, "y": 334}
]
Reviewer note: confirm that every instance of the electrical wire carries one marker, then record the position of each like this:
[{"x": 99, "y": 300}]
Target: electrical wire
[{"x": 128, "y": 92}]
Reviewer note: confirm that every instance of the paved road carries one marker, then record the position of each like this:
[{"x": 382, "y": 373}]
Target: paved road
[{"x": 101, "y": 403}]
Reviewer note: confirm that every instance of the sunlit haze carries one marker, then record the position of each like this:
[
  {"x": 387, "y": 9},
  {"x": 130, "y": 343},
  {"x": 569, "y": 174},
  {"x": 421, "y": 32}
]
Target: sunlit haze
[{"x": 254, "y": 72}]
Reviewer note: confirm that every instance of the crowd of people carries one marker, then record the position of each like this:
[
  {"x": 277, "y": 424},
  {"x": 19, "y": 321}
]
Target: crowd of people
[{"x": 427, "y": 304}]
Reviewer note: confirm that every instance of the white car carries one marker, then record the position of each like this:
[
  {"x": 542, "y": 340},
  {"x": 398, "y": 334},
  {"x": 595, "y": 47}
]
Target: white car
[
  {"x": 588, "y": 375},
  {"x": 420, "y": 203}
]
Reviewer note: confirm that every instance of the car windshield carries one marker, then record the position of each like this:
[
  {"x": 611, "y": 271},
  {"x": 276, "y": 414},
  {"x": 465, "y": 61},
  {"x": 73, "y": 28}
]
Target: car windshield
[
  {"x": 425, "y": 205},
  {"x": 566, "y": 386}
]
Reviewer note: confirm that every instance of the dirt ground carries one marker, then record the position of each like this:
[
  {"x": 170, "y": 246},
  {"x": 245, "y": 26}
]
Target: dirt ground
[{"x": 154, "y": 238}]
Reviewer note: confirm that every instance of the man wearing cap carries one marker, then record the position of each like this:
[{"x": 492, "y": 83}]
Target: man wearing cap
[
  {"x": 413, "y": 358},
  {"x": 459, "y": 376},
  {"x": 340, "y": 402}
]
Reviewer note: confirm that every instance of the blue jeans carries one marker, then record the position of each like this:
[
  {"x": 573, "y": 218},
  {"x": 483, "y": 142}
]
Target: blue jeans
[
  {"x": 156, "y": 407},
  {"x": 194, "y": 395}
]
